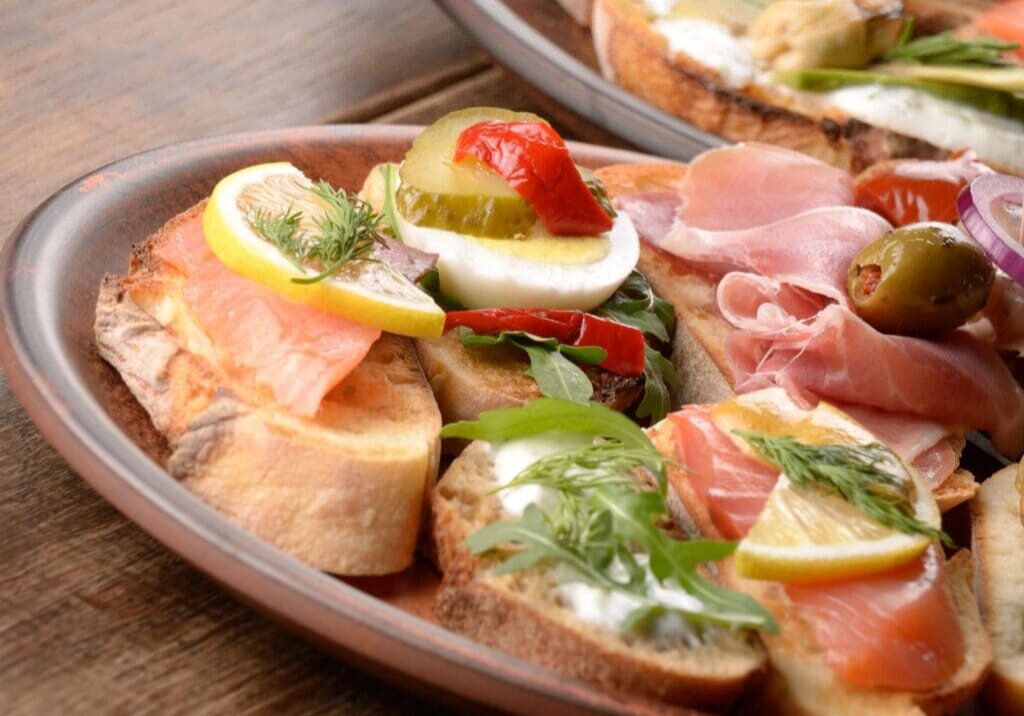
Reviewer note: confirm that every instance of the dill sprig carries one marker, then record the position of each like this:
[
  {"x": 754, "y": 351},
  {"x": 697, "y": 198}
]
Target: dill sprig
[
  {"x": 345, "y": 231},
  {"x": 858, "y": 474},
  {"x": 607, "y": 525},
  {"x": 946, "y": 49}
]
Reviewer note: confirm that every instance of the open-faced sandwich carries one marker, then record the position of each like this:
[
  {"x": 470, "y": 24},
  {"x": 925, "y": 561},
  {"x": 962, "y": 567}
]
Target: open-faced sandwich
[
  {"x": 852, "y": 82},
  {"x": 776, "y": 543}
]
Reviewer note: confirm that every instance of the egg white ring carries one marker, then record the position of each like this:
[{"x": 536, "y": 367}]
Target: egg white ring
[{"x": 479, "y": 277}]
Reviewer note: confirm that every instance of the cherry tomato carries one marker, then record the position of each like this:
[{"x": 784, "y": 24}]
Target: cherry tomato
[
  {"x": 624, "y": 344},
  {"x": 534, "y": 160}
]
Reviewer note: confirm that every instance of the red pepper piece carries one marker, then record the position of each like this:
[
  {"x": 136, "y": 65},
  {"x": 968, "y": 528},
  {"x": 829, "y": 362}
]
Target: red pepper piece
[
  {"x": 624, "y": 344},
  {"x": 534, "y": 160},
  {"x": 560, "y": 325}
]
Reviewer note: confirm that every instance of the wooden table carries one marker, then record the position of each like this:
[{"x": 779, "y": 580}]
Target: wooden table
[{"x": 95, "y": 616}]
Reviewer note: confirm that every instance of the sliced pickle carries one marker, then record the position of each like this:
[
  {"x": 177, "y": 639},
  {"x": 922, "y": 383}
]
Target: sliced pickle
[
  {"x": 467, "y": 197},
  {"x": 500, "y": 217}
]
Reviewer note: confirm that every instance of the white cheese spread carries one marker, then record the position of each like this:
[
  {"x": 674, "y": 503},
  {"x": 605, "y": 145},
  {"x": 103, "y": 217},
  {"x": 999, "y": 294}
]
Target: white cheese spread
[
  {"x": 712, "y": 45},
  {"x": 949, "y": 125},
  {"x": 514, "y": 456}
]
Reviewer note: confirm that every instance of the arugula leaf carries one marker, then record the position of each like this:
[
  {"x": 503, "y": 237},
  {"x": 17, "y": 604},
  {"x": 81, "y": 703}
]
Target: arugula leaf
[
  {"x": 944, "y": 48},
  {"x": 606, "y": 528},
  {"x": 556, "y": 375},
  {"x": 592, "y": 355},
  {"x": 389, "y": 212},
  {"x": 635, "y": 304},
  {"x": 543, "y": 415},
  {"x": 660, "y": 382}
]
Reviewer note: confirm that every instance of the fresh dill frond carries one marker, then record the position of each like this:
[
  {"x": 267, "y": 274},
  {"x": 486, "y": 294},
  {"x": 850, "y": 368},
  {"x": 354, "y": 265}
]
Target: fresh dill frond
[
  {"x": 858, "y": 474},
  {"x": 345, "y": 231},
  {"x": 281, "y": 230}
]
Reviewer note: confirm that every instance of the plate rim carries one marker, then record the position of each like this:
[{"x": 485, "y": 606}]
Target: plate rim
[
  {"x": 336, "y": 614},
  {"x": 559, "y": 75}
]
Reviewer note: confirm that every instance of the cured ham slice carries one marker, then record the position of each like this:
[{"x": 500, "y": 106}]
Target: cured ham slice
[
  {"x": 956, "y": 380},
  {"x": 294, "y": 350},
  {"x": 895, "y": 629},
  {"x": 811, "y": 250},
  {"x": 652, "y": 212},
  {"x": 748, "y": 185},
  {"x": 1001, "y": 322}
]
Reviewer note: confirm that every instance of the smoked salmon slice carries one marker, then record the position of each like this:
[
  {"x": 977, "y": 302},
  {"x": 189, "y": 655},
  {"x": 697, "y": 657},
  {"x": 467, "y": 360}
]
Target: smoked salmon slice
[
  {"x": 1005, "y": 20},
  {"x": 892, "y": 630},
  {"x": 292, "y": 349}
]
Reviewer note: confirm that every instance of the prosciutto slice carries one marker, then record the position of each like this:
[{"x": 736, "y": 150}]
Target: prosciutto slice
[
  {"x": 751, "y": 184},
  {"x": 956, "y": 380}
]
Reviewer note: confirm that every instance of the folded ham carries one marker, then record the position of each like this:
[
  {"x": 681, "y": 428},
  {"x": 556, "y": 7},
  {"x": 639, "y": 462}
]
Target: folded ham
[{"x": 781, "y": 231}]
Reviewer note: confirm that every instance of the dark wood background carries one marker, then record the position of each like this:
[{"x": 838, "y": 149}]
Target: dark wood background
[{"x": 95, "y": 616}]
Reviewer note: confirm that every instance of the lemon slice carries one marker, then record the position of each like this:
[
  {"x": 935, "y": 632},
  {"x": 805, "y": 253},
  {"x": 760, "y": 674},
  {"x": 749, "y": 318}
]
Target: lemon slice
[
  {"x": 807, "y": 535},
  {"x": 368, "y": 292}
]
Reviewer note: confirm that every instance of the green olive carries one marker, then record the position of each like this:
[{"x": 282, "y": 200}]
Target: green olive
[{"x": 920, "y": 280}]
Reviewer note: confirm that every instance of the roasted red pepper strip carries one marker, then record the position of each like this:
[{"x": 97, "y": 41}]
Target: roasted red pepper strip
[
  {"x": 908, "y": 192},
  {"x": 624, "y": 344},
  {"x": 560, "y": 325},
  {"x": 534, "y": 160}
]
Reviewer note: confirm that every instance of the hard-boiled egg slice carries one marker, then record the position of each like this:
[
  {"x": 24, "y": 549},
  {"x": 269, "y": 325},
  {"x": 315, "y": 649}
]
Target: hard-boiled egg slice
[{"x": 549, "y": 272}]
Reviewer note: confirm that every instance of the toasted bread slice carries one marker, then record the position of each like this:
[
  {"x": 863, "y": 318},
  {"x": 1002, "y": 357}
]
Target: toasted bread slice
[
  {"x": 698, "y": 349},
  {"x": 632, "y": 54},
  {"x": 800, "y": 682},
  {"x": 520, "y": 613},
  {"x": 997, "y": 544},
  {"x": 344, "y": 491}
]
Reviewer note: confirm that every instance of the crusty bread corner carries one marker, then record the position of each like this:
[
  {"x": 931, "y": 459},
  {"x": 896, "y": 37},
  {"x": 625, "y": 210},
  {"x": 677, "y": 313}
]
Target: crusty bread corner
[
  {"x": 467, "y": 381},
  {"x": 698, "y": 348},
  {"x": 344, "y": 492},
  {"x": 800, "y": 683},
  {"x": 636, "y": 57},
  {"x": 519, "y": 613},
  {"x": 997, "y": 544}
]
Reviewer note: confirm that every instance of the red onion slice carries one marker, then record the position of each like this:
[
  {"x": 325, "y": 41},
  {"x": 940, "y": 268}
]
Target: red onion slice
[{"x": 990, "y": 209}]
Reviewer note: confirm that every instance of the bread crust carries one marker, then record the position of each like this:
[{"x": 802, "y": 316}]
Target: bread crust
[
  {"x": 800, "y": 682},
  {"x": 637, "y": 58},
  {"x": 343, "y": 491},
  {"x": 519, "y": 614},
  {"x": 997, "y": 543}
]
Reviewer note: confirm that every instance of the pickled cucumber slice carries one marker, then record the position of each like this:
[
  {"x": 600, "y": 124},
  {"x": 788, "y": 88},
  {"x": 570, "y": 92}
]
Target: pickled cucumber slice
[
  {"x": 472, "y": 214},
  {"x": 466, "y": 197}
]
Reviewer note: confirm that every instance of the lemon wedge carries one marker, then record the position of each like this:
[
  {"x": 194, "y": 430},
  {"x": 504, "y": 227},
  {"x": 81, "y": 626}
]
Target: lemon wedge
[
  {"x": 368, "y": 292},
  {"x": 805, "y": 535}
]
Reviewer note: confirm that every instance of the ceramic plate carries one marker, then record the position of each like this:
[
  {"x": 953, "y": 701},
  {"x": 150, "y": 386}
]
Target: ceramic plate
[{"x": 51, "y": 269}]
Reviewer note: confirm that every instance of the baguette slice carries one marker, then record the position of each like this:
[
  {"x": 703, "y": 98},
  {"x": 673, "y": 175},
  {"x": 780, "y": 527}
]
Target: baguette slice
[
  {"x": 519, "y": 613},
  {"x": 997, "y": 543},
  {"x": 800, "y": 683},
  {"x": 632, "y": 54},
  {"x": 344, "y": 491},
  {"x": 699, "y": 346}
]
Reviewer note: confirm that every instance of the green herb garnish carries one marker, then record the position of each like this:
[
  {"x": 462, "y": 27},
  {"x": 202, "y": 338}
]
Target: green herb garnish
[
  {"x": 345, "y": 232},
  {"x": 858, "y": 474},
  {"x": 945, "y": 49},
  {"x": 607, "y": 526},
  {"x": 556, "y": 375},
  {"x": 635, "y": 304}
]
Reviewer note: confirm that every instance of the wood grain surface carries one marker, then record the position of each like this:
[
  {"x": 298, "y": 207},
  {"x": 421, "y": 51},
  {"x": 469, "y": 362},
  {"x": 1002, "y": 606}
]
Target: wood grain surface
[{"x": 95, "y": 616}]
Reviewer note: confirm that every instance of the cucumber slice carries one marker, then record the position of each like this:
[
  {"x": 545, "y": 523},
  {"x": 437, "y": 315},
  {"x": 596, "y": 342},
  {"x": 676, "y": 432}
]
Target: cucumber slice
[
  {"x": 500, "y": 217},
  {"x": 467, "y": 197}
]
